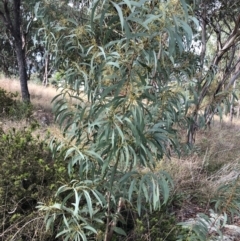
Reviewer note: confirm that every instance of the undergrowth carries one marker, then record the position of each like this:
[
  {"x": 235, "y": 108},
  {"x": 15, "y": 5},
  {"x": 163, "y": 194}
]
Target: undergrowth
[
  {"x": 28, "y": 175},
  {"x": 207, "y": 179},
  {"x": 12, "y": 108}
]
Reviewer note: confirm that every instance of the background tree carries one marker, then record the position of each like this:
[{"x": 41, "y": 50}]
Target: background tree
[
  {"x": 11, "y": 19},
  {"x": 219, "y": 62},
  {"x": 8, "y": 61},
  {"x": 56, "y": 21},
  {"x": 22, "y": 50}
]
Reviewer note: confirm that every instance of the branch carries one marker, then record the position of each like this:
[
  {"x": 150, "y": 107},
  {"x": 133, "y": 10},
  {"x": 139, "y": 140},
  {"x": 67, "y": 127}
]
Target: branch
[
  {"x": 113, "y": 223},
  {"x": 232, "y": 80},
  {"x": 228, "y": 44},
  {"x": 203, "y": 50},
  {"x": 3, "y": 17},
  {"x": 217, "y": 29},
  {"x": 237, "y": 25},
  {"x": 234, "y": 77},
  {"x": 226, "y": 24},
  {"x": 17, "y": 19},
  {"x": 236, "y": 74},
  {"x": 234, "y": 36},
  {"x": 6, "y": 18},
  {"x": 8, "y": 22},
  {"x": 231, "y": 59},
  {"x": 108, "y": 217}
]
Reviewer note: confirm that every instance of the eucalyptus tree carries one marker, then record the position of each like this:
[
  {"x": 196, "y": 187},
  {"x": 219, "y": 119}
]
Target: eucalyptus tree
[
  {"x": 129, "y": 57},
  {"x": 219, "y": 55},
  {"x": 19, "y": 45},
  {"x": 11, "y": 21}
]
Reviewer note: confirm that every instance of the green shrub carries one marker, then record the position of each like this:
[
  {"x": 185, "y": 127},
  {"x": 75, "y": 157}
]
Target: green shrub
[
  {"x": 20, "y": 111},
  {"x": 13, "y": 108},
  {"x": 158, "y": 226},
  {"x": 28, "y": 174},
  {"x": 7, "y": 101}
]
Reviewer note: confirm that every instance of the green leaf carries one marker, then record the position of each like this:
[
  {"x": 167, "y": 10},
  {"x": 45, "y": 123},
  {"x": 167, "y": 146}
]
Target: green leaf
[
  {"x": 119, "y": 231},
  {"x": 49, "y": 223},
  {"x": 76, "y": 204},
  {"x": 36, "y": 8},
  {"x": 99, "y": 197},
  {"x": 62, "y": 233},
  {"x": 88, "y": 227},
  {"x": 65, "y": 221},
  {"x": 165, "y": 189},
  {"x": 131, "y": 189},
  {"x": 126, "y": 176},
  {"x": 150, "y": 18},
  {"x": 154, "y": 193},
  {"x": 145, "y": 191},
  {"x": 185, "y": 7},
  {"x": 120, "y": 14},
  {"x": 93, "y": 13},
  {"x": 188, "y": 30},
  {"x": 89, "y": 202}
]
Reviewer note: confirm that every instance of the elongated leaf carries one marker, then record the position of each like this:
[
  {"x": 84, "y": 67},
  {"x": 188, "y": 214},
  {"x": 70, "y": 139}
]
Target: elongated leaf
[
  {"x": 93, "y": 13},
  {"x": 89, "y": 202},
  {"x": 119, "y": 231},
  {"x": 120, "y": 13},
  {"x": 76, "y": 204}
]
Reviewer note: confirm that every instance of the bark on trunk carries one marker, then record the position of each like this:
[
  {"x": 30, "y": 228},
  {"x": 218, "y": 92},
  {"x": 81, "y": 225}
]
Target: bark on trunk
[
  {"x": 232, "y": 104},
  {"x": 20, "y": 51},
  {"x": 45, "y": 77},
  {"x": 13, "y": 28},
  {"x": 22, "y": 72}
]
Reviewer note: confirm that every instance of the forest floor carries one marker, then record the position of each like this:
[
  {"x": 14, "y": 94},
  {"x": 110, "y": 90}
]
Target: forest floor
[
  {"x": 213, "y": 162},
  {"x": 41, "y": 98}
]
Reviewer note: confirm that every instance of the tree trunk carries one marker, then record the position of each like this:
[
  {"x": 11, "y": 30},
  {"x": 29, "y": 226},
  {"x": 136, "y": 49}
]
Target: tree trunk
[
  {"x": 232, "y": 103},
  {"x": 20, "y": 51},
  {"x": 13, "y": 28},
  {"x": 22, "y": 72},
  {"x": 45, "y": 76}
]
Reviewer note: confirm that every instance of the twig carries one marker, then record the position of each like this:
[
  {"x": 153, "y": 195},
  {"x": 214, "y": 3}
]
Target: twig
[{"x": 7, "y": 230}]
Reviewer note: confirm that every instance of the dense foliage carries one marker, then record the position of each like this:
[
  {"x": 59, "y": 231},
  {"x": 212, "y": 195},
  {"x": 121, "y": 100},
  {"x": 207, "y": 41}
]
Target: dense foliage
[
  {"x": 124, "y": 56},
  {"x": 28, "y": 174},
  {"x": 12, "y": 108}
]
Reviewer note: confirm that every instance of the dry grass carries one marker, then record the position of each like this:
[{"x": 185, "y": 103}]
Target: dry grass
[
  {"x": 41, "y": 96},
  {"x": 214, "y": 161}
]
